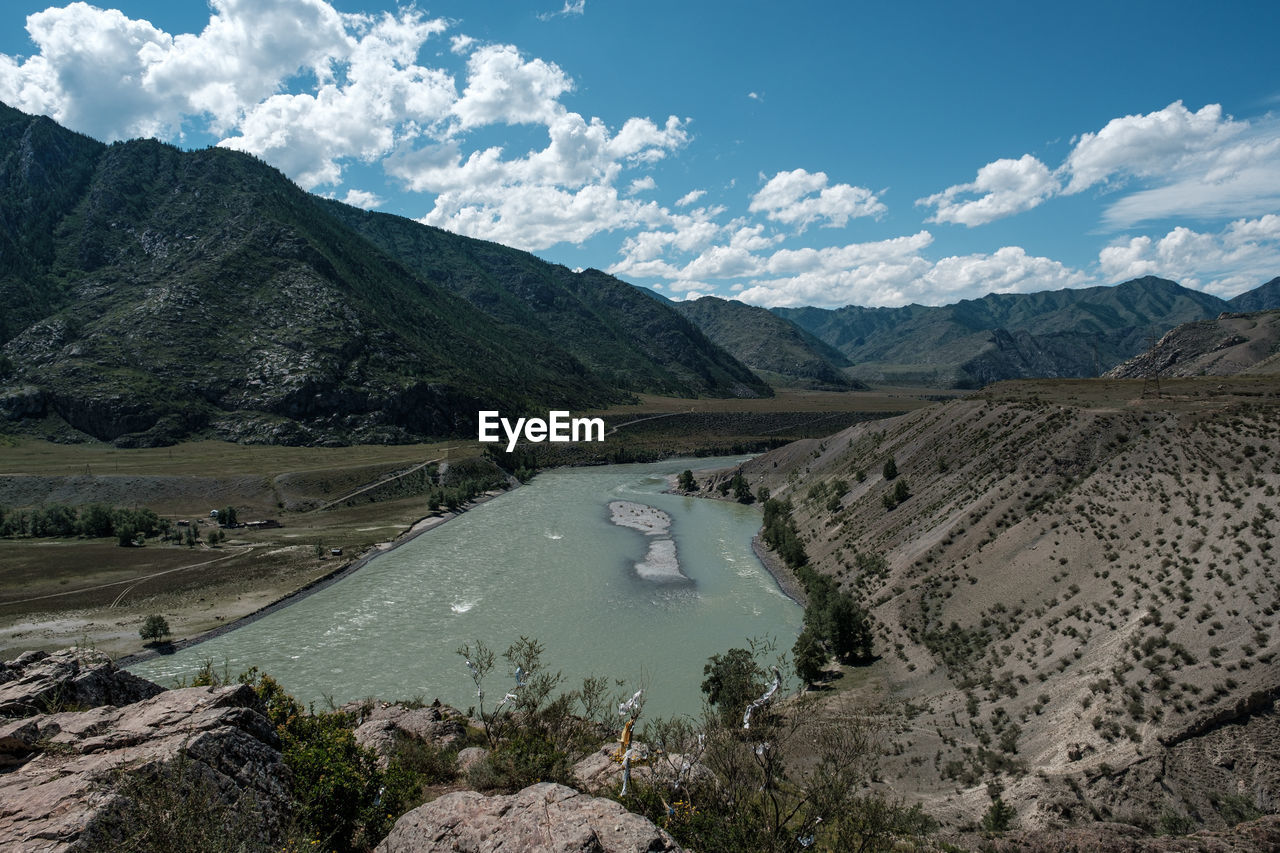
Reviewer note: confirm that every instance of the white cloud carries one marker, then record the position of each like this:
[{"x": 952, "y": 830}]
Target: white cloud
[
  {"x": 504, "y": 88},
  {"x": 363, "y": 199},
  {"x": 1005, "y": 187},
  {"x": 690, "y": 197},
  {"x": 1240, "y": 257},
  {"x": 105, "y": 74},
  {"x": 640, "y": 185},
  {"x": 571, "y": 7},
  {"x": 1154, "y": 144},
  {"x": 385, "y": 97},
  {"x": 1201, "y": 164},
  {"x": 799, "y": 197},
  {"x": 1241, "y": 179}
]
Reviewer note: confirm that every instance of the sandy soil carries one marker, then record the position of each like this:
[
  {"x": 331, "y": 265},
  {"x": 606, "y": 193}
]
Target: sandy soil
[{"x": 648, "y": 520}]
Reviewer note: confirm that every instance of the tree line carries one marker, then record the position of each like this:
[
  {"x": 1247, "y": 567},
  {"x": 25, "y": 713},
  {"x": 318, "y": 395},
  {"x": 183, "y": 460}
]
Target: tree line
[{"x": 91, "y": 521}]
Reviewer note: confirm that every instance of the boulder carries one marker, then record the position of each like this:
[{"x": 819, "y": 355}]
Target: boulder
[
  {"x": 71, "y": 679},
  {"x": 384, "y": 727},
  {"x": 546, "y": 817}
]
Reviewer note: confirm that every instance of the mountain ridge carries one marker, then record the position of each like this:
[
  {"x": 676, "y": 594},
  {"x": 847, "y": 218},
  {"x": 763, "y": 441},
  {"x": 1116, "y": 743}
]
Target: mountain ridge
[
  {"x": 1067, "y": 333},
  {"x": 152, "y": 294}
]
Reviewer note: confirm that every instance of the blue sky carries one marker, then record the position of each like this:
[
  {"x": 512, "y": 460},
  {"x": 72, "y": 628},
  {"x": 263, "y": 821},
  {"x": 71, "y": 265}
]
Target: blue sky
[{"x": 822, "y": 153}]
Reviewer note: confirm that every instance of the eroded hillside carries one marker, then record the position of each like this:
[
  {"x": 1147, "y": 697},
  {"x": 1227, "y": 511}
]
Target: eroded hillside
[{"x": 1078, "y": 597}]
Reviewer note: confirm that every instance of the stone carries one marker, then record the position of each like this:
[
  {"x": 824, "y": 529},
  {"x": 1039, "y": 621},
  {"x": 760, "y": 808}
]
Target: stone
[
  {"x": 384, "y": 727},
  {"x": 546, "y": 817}
]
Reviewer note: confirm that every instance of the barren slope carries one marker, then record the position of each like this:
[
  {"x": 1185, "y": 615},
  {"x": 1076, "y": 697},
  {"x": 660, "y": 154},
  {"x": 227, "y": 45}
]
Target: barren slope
[{"x": 1080, "y": 595}]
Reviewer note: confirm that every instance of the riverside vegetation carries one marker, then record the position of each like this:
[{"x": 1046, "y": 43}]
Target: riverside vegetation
[{"x": 792, "y": 781}]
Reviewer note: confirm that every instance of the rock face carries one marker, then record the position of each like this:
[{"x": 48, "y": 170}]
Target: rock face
[
  {"x": 70, "y": 679},
  {"x": 70, "y": 777},
  {"x": 546, "y": 817}
]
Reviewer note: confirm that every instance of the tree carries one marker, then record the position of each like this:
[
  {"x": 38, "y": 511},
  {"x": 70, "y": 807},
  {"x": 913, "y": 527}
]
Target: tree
[
  {"x": 154, "y": 628},
  {"x": 901, "y": 491},
  {"x": 125, "y": 532},
  {"x": 890, "y": 469},
  {"x": 848, "y": 629},
  {"x": 733, "y": 680},
  {"x": 809, "y": 656},
  {"x": 227, "y": 517},
  {"x": 686, "y": 483},
  {"x": 1000, "y": 815},
  {"x": 741, "y": 489}
]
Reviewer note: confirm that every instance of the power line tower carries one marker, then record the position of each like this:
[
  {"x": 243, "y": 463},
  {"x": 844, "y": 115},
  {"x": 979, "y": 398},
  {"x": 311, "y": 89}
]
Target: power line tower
[{"x": 1151, "y": 376}]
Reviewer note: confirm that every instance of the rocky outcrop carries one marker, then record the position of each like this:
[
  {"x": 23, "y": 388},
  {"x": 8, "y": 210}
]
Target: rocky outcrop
[
  {"x": 384, "y": 727},
  {"x": 75, "y": 786},
  {"x": 71, "y": 679},
  {"x": 546, "y": 817},
  {"x": 82, "y": 742}
]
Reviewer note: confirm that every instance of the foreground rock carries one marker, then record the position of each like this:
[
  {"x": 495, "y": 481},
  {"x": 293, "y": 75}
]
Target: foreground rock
[
  {"x": 77, "y": 780},
  {"x": 71, "y": 679},
  {"x": 546, "y": 817}
]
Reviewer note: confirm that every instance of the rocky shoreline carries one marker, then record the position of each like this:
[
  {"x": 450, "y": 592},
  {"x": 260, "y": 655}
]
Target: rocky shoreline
[{"x": 782, "y": 574}]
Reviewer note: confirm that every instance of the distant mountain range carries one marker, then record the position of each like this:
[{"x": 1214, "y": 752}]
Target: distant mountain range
[
  {"x": 1062, "y": 333},
  {"x": 776, "y": 349},
  {"x": 149, "y": 294}
]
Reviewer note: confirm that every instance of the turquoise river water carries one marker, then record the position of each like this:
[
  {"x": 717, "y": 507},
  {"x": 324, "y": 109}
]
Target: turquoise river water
[{"x": 543, "y": 561}]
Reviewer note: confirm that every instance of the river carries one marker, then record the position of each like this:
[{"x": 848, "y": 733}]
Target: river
[{"x": 543, "y": 561}]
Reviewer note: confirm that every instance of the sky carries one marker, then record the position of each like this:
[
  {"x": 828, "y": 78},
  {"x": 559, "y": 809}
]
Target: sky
[{"x": 813, "y": 153}]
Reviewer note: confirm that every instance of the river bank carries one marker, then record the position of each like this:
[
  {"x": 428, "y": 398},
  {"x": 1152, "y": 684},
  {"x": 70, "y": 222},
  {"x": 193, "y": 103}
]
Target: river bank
[{"x": 415, "y": 530}]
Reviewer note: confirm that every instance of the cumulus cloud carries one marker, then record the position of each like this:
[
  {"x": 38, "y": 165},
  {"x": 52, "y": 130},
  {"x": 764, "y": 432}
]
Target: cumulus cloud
[
  {"x": 105, "y": 74},
  {"x": 1240, "y": 257},
  {"x": 800, "y": 197},
  {"x": 1202, "y": 164},
  {"x": 1145, "y": 145},
  {"x": 1004, "y": 187},
  {"x": 503, "y": 87},
  {"x": 362, "y": 199}
]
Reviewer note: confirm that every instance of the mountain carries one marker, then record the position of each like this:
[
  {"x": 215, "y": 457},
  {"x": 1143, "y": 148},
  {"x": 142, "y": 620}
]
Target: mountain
[
  {"x": 1229, "y": 345},
  {"x": 1263, "y": 298},
  {"x": 1062, "y": 333},
  {"x": 148, "y": 294},
  {"x": 774, "y": 348},
  {"x": 618, "y": 331},
  {"x": 1073, "y": 591}
]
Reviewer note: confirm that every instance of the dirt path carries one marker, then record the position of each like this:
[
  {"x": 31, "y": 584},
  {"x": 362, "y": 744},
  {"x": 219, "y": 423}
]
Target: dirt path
[
  {"x": 383, "y": 482},
  {"x": 649, "y": 418}
]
